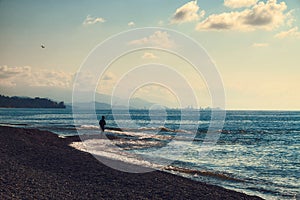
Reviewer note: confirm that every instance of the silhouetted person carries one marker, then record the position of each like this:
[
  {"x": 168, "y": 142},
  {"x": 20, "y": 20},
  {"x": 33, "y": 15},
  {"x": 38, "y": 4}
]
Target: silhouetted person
[{"x": 102, "y": 123}]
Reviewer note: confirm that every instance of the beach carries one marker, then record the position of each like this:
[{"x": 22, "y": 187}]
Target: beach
[{"x": 38, "y": 164}]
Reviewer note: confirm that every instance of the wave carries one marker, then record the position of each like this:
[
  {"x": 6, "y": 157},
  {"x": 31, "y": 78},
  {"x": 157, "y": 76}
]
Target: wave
[
  {"x": 104, "y": 148},
  {"x": 152, "y": 129},
  {"x": 196, "y": 172},
  {"x": 88, "y": 127},
  {"x": 139, "y": 138},
  {"x": 156, "y": 130},
  {"x": 13, "y": 124},
  {"x": 129, "y": 140}
]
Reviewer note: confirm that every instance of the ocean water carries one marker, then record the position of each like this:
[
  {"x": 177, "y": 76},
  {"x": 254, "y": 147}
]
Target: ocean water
[{"x": 258, "y": 152}]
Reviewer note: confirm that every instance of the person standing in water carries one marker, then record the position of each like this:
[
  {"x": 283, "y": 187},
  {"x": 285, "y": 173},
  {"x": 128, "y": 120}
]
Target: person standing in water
[{"x": 102, "y": 124}]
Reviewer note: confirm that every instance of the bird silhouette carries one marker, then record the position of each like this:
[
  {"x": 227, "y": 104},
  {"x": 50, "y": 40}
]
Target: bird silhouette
[{"x": 43, "y": 46}]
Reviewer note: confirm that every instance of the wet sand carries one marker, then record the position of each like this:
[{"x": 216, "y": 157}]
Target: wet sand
[{"x": 38, "y": 164}]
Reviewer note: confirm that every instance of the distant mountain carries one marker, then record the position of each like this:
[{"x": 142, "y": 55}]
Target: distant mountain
[
  {"x": 140, "y": 103},
  {"x": 134, "y": 104},
  {"x": 86, "y": 105},
  {"x": 103, "y": 101},
  {"x": 123, "y": 103},
  {"x": 26, "y": 102}
]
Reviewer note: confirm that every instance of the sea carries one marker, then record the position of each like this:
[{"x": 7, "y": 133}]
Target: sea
[{"x": 256, "y": 152}]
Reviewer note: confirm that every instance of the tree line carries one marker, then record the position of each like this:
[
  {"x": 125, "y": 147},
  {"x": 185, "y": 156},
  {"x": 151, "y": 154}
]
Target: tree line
[{"x": 26, "y": 102}]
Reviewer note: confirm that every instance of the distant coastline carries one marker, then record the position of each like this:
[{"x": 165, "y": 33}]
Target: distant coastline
[{"x": 27, "y": 102}]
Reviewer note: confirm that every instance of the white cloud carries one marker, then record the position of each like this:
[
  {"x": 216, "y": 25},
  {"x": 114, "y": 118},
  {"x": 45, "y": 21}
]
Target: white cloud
[
  {"x": 187, "y": 13},
  {"x": 25, "y": 76},
  {"x": 260, "y": 45},
  {"x": 290, "y": 18},
  {"x": 89, "y": 20},
  {"x": 9, "y": 75},
  {"x": 8, "y": 72},
  {"x": 239, "y": 3},
  {"x": 148, "y": 55},
  {"x": 158, "y": 38},
  {"x": 292, "y": 33},
  {"x": 50, "y": 78},
  {"x": 131, "y": 24},
  {"x": 267, "y": 16},
  {"x": 161, "y": 23}
]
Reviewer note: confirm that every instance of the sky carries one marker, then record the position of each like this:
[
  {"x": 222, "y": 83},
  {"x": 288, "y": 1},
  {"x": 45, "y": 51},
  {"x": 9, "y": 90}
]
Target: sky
[{"x": 254, "y": 44}]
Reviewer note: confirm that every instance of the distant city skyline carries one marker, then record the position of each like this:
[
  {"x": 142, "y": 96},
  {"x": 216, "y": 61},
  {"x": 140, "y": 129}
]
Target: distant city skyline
[{"x": 254, "y": 44}]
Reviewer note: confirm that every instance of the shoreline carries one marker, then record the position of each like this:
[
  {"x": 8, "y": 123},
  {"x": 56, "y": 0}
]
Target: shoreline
[{"x": 39, "y": 164}]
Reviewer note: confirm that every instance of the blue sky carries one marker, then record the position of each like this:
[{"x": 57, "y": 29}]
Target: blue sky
[{"x": 255, "y": 44}]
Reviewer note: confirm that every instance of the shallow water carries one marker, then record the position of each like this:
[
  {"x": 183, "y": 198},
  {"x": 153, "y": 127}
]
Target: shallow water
[{"x": 257, "y": 152}]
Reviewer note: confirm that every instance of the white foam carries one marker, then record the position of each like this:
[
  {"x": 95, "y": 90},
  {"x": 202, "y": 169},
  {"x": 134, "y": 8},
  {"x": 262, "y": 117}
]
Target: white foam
[
  {"x": 141, "y": 135},
  {"x": 106, "y": 148},
  {"x": 89, "y": 127}
]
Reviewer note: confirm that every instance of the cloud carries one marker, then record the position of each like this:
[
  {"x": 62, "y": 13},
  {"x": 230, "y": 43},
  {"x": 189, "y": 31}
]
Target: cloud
[
  {"x": 9, "y": 72},
  {"x": 239, "y": 3},
  {"x": 109, "y": 76},
  {"x": 89, "y": 20},
  {"x": 84, "y": 81},
  {"x": 291, "y": 17},
  {"x": 25, "y": 76},
  {"x": 158, "y": 38},
  {"x": 148, "y": 55},
  {"x": 267, "y": 16},
  {"x": 187, "y": 13},
  {"x": 9, "y": 75},
  {"x": 260, "y": 45},
  {"x": 160, "y": 23},
  {"x": 50, "y": 78},
  {"x": 292, "y": 33},
  {"x": 131, "y": 24}
]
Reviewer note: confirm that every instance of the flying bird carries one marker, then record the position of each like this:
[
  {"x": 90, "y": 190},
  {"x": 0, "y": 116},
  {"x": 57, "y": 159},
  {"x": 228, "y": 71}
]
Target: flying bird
[{"x": 43, "y": 46}]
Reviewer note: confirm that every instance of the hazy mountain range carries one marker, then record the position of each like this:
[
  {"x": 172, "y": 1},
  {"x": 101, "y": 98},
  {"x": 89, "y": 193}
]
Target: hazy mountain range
[{"x": 103, "y": 101}]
